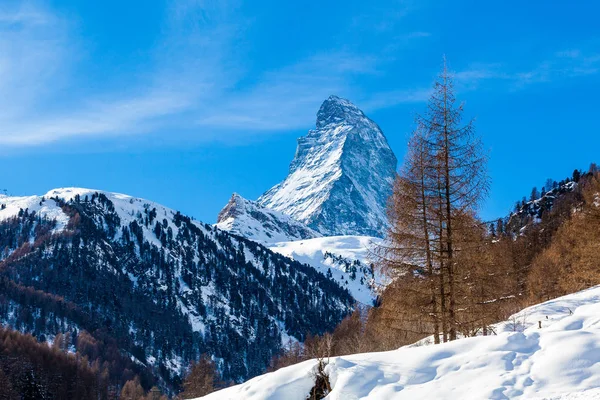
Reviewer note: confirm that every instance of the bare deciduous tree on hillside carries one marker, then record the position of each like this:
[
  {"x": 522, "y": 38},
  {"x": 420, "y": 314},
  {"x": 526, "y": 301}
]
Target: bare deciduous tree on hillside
[
  {"x": 443, "y": 179},
  {"x": 202, "y": 379}
]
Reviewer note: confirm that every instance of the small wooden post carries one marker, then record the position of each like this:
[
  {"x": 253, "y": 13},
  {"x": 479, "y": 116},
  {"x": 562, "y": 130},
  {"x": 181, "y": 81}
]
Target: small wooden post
[{"x": 155, "y": 393}]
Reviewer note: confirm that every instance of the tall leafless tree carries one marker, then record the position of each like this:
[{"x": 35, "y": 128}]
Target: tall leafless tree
[
  {"x": 443, "y": 179},
  {"x": 460, "y": 164}
]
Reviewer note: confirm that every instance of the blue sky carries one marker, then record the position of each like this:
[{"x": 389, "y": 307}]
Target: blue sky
[{"x": 184, "y": 102}]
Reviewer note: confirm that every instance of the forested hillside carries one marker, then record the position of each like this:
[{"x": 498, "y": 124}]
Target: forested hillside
[
  {"x": 144, "y": 289},
  {"x": 32, "y": 370}
]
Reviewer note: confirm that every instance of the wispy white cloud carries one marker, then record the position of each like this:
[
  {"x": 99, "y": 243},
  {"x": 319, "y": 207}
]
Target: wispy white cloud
[
  {"x": 193, "y": 82},
  {"x": 36, "y": 54},
  {"x": 287, "y": 98},
  {"x": 561, "y": 65},
  {"x": 138, "y": 114},
  {"x": 565, "y": 64},
  {"x": 395, "y": 97},
  {"x": 199, "y": 82},
  {"x": 33, "y": 52},
  {"x": 24, "y": 14}
]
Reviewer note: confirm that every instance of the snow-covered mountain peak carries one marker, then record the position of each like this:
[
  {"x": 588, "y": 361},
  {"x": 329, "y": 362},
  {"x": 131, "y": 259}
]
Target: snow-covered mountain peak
[
  {"x": 336, "y": 110},
  {"x": 233, "y": 208},
  {"x": 341, "y": 176},
  {"x": 246, "y": 218}
]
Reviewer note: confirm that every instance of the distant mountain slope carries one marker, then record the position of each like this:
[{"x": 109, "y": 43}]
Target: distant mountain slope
[
  {"x": 345, "y": 259},
  {"x": 246, "y": 218},
  {"x": 165, "y": 287},
  {"x": 560, "y": 360},
  {"x": 341, "y": 176}
]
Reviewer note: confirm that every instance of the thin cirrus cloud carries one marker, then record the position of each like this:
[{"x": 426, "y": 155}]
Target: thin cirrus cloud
[
  {"x": 561, "y": 65},
  {"x": 33, "y": 49},
  {"x": 571, "y": 63},
  {"x": 193, "y": 81},
  {"x": 36, "y": 58},
  {"x": 287, "y": 98},
  {"x": 135, "y": 115}
]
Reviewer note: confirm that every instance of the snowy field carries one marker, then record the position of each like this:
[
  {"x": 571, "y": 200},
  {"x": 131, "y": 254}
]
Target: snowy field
[{"x": 560, "y": 361}]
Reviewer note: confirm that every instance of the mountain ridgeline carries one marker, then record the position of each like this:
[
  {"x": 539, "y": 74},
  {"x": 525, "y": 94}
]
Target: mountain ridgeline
[
  {"x": 555, "y": 197},
  {"x": 157, "y": 287}
]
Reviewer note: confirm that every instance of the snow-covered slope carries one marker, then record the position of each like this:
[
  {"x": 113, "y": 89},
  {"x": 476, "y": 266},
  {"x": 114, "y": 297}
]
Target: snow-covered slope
[
  {"x": 560, "y": 360},
  {"x": 11, "y": 206},
  {"x": 341, "y": 176},
  {"x": 345, "y": 259},
  {"x": 246, "y": 218}
]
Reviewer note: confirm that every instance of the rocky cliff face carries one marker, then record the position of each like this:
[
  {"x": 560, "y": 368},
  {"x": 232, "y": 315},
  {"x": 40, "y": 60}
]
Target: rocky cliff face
[{"x": 341, "y": 176}]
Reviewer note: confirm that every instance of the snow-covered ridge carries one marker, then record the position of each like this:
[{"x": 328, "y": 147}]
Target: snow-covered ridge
[
  {"x": 339, "y": 255},
  {"x": 246, "y": 218},
  {"x": 341, "y": 176},
  {"x": 128, "y": 208},
  {"x": 560, "y": 360},
  {"x": 344, "y": 259},
  {"x": 11, "y": 206}
]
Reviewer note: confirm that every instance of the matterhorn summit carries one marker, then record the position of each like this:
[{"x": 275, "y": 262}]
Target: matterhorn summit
[{"x": 341, "y": 176}]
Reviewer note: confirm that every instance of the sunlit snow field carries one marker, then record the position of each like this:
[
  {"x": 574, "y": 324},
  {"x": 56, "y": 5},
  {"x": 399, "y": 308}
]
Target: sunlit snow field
[{"x": 522, "y": 361}]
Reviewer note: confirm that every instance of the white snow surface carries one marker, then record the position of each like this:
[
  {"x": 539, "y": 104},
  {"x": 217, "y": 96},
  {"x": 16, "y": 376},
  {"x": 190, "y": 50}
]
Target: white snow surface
[
  {"x": 350, "y": 248},
  {"x": 560, "y": 361},
  {"x": 49, "y": 208}
]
